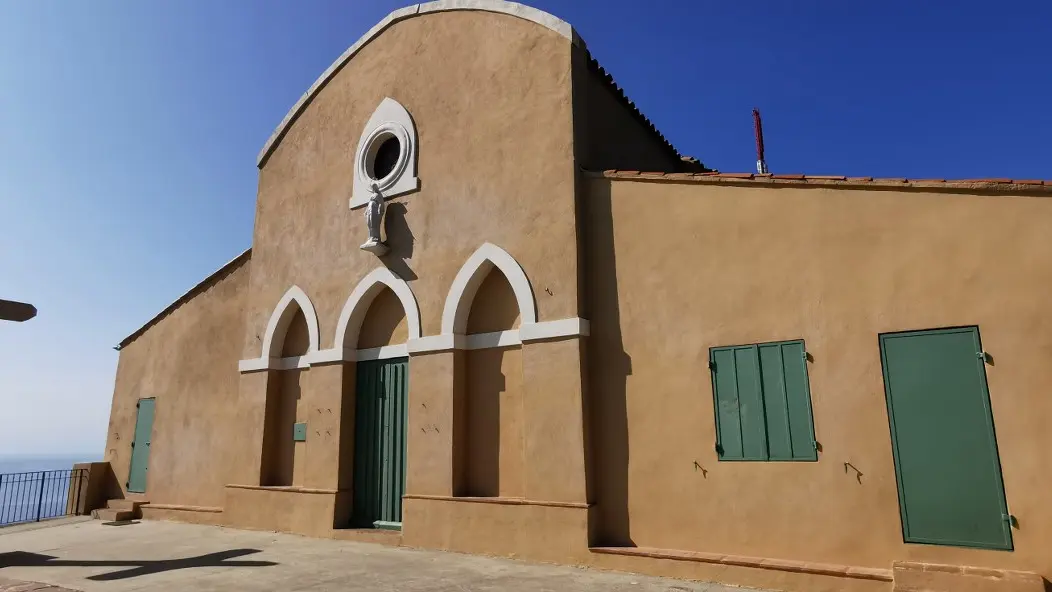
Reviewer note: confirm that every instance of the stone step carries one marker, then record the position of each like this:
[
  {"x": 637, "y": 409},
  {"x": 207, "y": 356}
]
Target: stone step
[
  {"x": 112, "y": 515},
  {"x": 124, "y": 504}
]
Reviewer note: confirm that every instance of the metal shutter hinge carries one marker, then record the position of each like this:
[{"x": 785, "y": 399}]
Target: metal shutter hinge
[{"x": 985, "y": 357}]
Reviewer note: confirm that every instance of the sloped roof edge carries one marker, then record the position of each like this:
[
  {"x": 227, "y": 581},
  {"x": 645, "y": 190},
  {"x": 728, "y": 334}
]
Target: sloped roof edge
[
  {"x": 500, "y": 6},
  {"x": 201, "y": 286}
]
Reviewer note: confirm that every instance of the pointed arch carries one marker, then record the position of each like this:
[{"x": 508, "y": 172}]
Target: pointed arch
[
  {"x": 357, "y": 306},
  {"x": 470, "y": 277},
  {"x": 282, "y": 316}
]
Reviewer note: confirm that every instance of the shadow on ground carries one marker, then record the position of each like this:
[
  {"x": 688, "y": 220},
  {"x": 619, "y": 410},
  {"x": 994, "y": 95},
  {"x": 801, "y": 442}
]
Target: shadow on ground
[{"x": 138, "y": 567}]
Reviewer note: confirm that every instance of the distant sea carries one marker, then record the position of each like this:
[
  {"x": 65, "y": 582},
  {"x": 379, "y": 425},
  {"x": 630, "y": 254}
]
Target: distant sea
[{"x": 24, "y": 463}]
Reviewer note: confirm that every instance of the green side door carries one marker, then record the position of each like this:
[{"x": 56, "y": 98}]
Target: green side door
[
  {"x": 942, "y": 433},
  {"x": 140, "y": 458},
  {"x": 381, "y": 398}
]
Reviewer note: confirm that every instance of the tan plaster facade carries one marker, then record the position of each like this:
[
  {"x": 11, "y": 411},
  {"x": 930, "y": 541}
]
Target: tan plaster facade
[{"x": 568, "y": 416}]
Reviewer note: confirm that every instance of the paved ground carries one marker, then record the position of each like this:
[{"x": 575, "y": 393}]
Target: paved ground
[{"x": 155, "y": 556}]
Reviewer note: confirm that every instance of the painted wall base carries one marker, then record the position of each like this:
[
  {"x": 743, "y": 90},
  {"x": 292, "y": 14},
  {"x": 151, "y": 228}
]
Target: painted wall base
[
  {"x": 913, "y": 576},
  {"x": 559, "y": 533}
]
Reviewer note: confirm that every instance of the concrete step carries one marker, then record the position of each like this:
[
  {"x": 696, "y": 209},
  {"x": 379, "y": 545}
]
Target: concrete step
[
  {"x": 125, "y": 504},
  {"x": 111, "y": 515}
]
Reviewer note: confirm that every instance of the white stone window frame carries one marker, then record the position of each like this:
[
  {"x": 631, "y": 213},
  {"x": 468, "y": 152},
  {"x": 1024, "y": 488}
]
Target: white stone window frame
[{"x": 389, "y": 120}]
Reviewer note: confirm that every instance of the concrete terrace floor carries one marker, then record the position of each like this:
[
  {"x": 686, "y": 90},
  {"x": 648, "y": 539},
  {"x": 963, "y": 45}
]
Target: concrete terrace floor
[{"x": 153, "y": 556}]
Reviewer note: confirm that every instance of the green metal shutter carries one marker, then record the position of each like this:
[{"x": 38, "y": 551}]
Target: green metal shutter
[
  {"x": 763, "y": 402},
  {"x": 787, "y": 400},
  {"x": 946, "y": 461},
  {"x": 140, "y": 459},
  {"x": 741, "y": 434},
  {"x": 380, "y": 442}
]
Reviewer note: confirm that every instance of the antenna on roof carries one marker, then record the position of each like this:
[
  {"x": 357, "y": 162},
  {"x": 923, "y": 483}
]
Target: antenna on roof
[{"x": 761, "y": 164}]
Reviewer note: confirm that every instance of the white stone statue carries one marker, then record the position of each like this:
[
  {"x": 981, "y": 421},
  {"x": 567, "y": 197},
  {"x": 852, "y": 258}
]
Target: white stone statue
[{"x": 374, "y": 216}]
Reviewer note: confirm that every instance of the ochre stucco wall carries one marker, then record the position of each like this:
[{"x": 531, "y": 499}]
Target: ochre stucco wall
[
  {"x": 384, "y": 323},
  {"x": 492, "y": 167},
  {"x": 187, "y": 362},
  {"x": 676, "y": 268}
]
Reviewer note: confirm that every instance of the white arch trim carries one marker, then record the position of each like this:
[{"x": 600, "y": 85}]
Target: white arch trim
[
  {"x": 499, "y": 6},
  {"x": 274, "y": 336},
  {"x": 282, "y": 316},
  {"x": 470, "y": 277},
  {"x": 357, "y": 306}
]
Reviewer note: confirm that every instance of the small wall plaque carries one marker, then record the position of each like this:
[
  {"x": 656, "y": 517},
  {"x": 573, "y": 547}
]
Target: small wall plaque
[{"x": 299, "y": 432}]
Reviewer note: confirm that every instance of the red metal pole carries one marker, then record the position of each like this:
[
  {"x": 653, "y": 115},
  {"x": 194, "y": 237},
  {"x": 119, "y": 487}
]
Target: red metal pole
[{"x": 761, "y": 163}]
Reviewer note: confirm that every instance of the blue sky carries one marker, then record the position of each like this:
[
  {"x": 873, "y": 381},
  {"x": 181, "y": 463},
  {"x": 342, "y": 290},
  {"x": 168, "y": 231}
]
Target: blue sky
[{"x": 129, "y": 132}]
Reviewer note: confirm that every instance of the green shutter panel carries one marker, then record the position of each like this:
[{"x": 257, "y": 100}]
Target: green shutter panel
[
  {"x": 763, "y": 402},
  {"x": 724, "y": 384},
  {"x": 776, "y": 406},
  {"x": 750, "y": 403},
  {"x": 798, "y": 399},
  {"x": 790, "y": 428},
  {"x": 741, "y": 430}
]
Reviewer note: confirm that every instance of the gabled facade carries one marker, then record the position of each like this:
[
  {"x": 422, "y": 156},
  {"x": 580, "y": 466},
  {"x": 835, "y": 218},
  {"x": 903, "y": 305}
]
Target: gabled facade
[{"x": 547, "y": 354}]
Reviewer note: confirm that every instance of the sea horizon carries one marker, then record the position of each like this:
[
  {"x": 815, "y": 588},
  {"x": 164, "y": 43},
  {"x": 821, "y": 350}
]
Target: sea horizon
[{"x": 22, "y": 463}]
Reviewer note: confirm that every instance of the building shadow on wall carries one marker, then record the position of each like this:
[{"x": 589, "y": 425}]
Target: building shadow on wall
[
  {"x": 401, "y": 241},
  {"x": 608, "y": 369},
  {"x": 139, "y": 568}
]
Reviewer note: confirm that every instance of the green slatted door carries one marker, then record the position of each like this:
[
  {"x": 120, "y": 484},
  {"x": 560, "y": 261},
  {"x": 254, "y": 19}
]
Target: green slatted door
[
  {"x": 380, "y": 443},
  {"x": 942, "y": 430}
]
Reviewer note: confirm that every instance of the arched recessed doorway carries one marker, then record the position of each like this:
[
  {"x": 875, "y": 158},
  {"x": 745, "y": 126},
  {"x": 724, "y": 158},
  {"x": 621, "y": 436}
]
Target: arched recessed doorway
[
  {"x": 379, "y": 318},
  {"x": 290, "y": 337}
]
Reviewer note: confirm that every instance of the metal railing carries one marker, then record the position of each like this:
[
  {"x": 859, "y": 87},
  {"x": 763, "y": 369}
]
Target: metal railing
[{"x": 39, "y": 495}]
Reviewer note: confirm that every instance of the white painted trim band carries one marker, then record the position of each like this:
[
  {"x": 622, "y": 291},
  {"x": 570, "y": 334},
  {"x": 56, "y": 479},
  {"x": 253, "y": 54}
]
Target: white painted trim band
[
  {"x": 260, "y": 364},
  {"x": 499, "y": 6},
  {"x": 572, "y": 327},
  {"x": 382, "y": 353},
  {"x": 436, "y": 343},
  {"x": 491, "y": 340},
  {"x": 527, "y": 333}
]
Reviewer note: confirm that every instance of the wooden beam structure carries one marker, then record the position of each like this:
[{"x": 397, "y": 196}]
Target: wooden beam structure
[{"x": 16, "y": 311}]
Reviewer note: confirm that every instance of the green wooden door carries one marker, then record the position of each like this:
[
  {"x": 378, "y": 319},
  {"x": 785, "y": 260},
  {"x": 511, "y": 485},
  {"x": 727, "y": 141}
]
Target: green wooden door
[
  {"x": 942, "y": 431},
  {"x": 380, "y": 443},
  {"x": 141, "y": 447}
]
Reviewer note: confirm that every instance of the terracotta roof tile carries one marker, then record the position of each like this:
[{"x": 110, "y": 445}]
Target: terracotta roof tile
[{"x": 838, "y": 180}]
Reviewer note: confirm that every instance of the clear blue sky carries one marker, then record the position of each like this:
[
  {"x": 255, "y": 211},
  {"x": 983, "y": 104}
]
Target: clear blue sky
[{"x": 129, "y": 132}]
